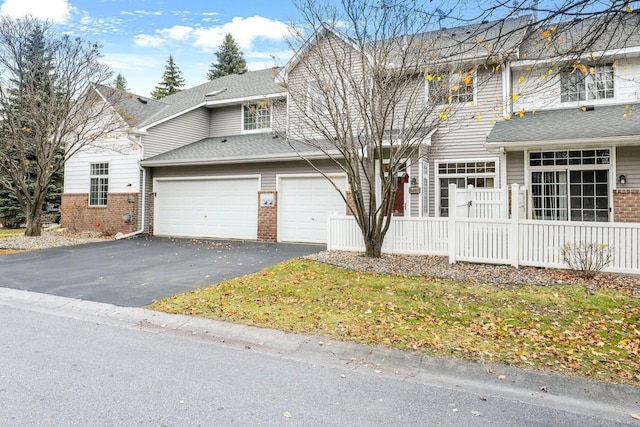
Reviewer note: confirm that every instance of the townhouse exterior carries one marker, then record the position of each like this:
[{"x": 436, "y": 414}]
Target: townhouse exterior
[{"x": 209, "y": 161}]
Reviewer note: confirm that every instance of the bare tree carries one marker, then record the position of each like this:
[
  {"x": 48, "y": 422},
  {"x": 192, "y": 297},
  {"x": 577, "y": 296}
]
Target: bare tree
[
  {"x": 49, "y": 109},
  {"x": 371, "y": 95}
]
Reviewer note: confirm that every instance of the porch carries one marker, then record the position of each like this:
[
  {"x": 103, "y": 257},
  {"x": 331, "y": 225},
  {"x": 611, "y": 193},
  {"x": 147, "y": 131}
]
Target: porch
[{"x": 492, "y": 237}]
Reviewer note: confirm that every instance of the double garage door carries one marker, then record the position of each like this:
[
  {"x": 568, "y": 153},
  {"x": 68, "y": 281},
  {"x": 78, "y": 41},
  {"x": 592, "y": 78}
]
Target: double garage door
[
  {"x": 224, "y": 208},
  {"x": 228, "y": 208}
]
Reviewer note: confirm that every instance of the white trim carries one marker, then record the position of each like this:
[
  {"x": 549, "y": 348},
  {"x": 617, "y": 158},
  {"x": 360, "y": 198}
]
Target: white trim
[
  {"x": 436, "y": 176},
  {"x": 243, "y": 131},
  {"x": 552, "y": 145},
  {"x": 626, "y": 52}
]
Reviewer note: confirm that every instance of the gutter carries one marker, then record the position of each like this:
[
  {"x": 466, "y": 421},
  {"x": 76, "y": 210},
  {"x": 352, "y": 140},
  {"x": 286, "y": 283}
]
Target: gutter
[{"x": 143, "y": 191}]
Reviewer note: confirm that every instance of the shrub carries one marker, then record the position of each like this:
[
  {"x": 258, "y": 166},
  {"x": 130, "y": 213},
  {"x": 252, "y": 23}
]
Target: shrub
[{"x": 586, "y": 259}]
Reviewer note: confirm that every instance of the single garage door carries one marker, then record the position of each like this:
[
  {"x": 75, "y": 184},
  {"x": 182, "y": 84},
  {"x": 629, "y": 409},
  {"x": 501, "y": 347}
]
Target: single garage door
[
  {"x": 224, "y": 208},
  {"x": 304, "y": 205}
]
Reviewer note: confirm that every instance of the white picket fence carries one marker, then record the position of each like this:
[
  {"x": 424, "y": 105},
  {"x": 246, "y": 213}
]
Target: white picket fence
[{"x": 511, "y": 241}]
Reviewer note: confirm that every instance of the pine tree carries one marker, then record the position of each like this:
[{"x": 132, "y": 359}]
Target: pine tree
[
  {"x": 230, "y": 59},
  {"x": 34, "y": 86},
  {"x": 120, "y": 82},
  {"x": 172, "y": 81}
]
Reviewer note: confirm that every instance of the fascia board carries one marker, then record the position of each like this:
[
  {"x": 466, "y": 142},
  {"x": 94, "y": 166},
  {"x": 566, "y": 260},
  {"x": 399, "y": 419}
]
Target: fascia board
[{"x": 242, "y": 159}]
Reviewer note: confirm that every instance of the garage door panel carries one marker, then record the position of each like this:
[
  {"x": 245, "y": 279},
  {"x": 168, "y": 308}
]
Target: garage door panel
[
  {"x": 224, "y": 208},
  {"x": 305, "y": 203}
]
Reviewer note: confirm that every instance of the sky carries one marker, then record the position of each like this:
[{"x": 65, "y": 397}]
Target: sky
[{"x": 137, "y": 36}]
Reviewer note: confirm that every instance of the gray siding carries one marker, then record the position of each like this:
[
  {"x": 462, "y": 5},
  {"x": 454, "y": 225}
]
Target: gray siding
[
  {"x": 628, "y": 164},
  {"x": 226, "y": 121},
  {"x": 267, "y": 171},
  {"x": 179, "y": 131},
  {"x": 515, "y": 167},
  {"x": 463, "y": 135}
]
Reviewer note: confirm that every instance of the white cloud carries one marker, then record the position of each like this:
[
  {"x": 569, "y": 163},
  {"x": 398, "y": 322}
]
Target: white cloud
[
  {"x": 177, "y": 32},
  {"x": 146, "y": 40},
  {"x": 244, "y": 30},
  {"x": 57, "y": 11},
  {"x": 131, "y": 62}
]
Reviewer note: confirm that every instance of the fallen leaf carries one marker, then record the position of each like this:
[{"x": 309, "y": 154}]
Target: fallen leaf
[
  {"x": 475, "y": 413},
  {"x": 502, "y": 377},
  {"x": 636, "y": 416},
  {"x": 543, "y": 388},
  {"x": 484, "y": 398},
  {"x": 287, "y": 414}
]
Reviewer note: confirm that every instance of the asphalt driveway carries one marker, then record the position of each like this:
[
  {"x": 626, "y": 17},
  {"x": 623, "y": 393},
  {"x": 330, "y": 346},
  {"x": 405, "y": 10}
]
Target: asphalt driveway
[{"x": 135, "y": 272}]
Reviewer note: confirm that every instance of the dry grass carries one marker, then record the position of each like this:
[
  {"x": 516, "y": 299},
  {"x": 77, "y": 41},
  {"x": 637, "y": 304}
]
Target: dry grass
[{"x": 553, "y": 328}]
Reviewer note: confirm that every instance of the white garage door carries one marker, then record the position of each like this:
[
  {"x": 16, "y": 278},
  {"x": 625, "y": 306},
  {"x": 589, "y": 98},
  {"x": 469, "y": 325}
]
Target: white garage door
[
  {"x": 225, "y": 208},
  {"x": 304, "y": 205}
]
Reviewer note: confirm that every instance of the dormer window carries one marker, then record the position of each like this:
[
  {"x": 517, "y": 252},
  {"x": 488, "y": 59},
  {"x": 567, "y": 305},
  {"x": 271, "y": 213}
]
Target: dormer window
[
  {"x": 256, "y": 117},
  {"x": 587, "y": 83}
]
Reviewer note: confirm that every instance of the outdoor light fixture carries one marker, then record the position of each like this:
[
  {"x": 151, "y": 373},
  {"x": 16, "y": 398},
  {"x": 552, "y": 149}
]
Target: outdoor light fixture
[
  {"x": 414, "y": 181},
  {"x": 622, "y": 179}
]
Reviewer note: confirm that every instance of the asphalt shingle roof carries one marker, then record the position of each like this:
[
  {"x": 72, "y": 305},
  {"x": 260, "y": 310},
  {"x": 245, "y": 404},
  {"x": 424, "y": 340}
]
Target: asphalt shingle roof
[
  {"x": 568, "y": 124},
  {"x": 223, "y": 149},
  {"x": 134, "y": 109}
]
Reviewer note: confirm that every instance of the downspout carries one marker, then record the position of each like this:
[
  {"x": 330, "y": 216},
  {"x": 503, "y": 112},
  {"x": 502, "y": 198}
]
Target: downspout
[{"x": 142, "y": 191}]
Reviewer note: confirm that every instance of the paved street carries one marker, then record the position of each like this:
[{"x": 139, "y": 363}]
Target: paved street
[
  {"x": 135, "y": 272},
  {"x": 66, "y": 362}
]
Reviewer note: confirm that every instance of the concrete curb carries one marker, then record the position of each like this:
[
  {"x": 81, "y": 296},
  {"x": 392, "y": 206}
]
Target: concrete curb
[{"x": 578, "y": 395}]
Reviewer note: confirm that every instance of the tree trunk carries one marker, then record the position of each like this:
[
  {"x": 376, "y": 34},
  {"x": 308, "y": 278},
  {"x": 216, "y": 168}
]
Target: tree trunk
[
  {"x": 33, "y": 224},
  {"x": 373, "y": 247}
]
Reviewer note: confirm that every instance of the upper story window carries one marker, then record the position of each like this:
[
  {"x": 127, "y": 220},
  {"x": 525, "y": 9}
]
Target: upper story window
[
  {"x": 99, "y": 184},
  {"x": 256, "y": 116},
  {"x": 450, "y": 88},
  {"x": 596, "y": 82}
]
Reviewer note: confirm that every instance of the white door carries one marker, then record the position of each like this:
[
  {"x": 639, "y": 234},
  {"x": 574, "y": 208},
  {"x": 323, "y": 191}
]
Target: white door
[
  {"x": 304, "y": 204},
  {"x": 224, "y": 208}
]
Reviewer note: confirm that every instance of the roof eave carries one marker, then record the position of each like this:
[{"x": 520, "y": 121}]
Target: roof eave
[
  {"x": 614, "y": 141},
  {"x": 239, "y": 159}
]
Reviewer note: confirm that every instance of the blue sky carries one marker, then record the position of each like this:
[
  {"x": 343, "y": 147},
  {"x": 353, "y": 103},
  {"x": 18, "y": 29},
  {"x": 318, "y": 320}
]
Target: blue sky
[{"x": 139, "y": 35}]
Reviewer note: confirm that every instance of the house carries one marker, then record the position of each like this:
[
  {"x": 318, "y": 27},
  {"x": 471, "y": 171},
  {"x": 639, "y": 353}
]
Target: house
[
  {"x": 207, "y": 161},
  {"x": 204, "y": 162}
]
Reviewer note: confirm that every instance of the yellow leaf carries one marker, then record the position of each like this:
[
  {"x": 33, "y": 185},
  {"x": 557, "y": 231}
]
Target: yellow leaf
[
  {"x": 515, "y": 97},
  {"x": 467, "y": 80},
  {"x": 592, "y": 70},
  {"x": 583, "y": 108},
  {"x": 454, "y": 88},
  {"x": 502, "y": 377},
  {"x": 582, "y": 68},
  {"x": 429, "y": 77},
  {"x": 628, "y": 9},
  {"x": 287, "y": 414},
  {"x": 550, "y": 70},
  {"x": 521, "y": 79}
]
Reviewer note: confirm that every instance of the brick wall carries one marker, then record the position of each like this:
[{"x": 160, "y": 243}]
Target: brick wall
[
  {"x": 77, "y": 215},
  {"x": 350, "y": 203},
  {"x": 626, "y": 205},
  {"x": 268, "y": 218}
]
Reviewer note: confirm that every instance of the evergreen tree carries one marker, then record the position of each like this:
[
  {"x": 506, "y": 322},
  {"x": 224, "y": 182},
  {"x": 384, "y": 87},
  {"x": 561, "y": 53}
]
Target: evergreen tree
[
  {"x": 33, "y": 87},
  {"x": 230, "y": 59},
  {"x": 172, "y": 81},
  {"x": 120, "y": 83}
]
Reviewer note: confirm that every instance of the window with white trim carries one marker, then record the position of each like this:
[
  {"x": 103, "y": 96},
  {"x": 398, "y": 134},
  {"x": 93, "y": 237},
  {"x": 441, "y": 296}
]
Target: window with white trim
[
  {"x": 98, "y": 184},
  {"x": 450, "y": 88},
  {"x": 570, "y": 185},
  {"x": 587, "y": 83},
  {"x": 479, "y": 174},
  {"x": 256, "y": 116}
]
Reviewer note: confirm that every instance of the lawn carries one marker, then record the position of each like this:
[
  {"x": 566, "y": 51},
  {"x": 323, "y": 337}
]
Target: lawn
[
  {"x": 8, "y": 232},
  {"x": 554, "y": 328}
]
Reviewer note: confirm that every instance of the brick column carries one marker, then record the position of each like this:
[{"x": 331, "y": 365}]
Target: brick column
[
  {"x": 626, "y": 205},
  {"x": 350, "y": 203},
  {"x": 268, "y": 216}
]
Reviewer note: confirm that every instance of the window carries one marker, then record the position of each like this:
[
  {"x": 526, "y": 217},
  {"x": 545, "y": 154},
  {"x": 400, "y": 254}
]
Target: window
[
  {"x": 478, "y": 174},
  {"x": 449, "y": 88},
  {"x": 596, "y": 82},
  {"x": 256, "y": 116},
  {"x": 563, "y": 189},
  {"x": 99, "y": 184}
]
